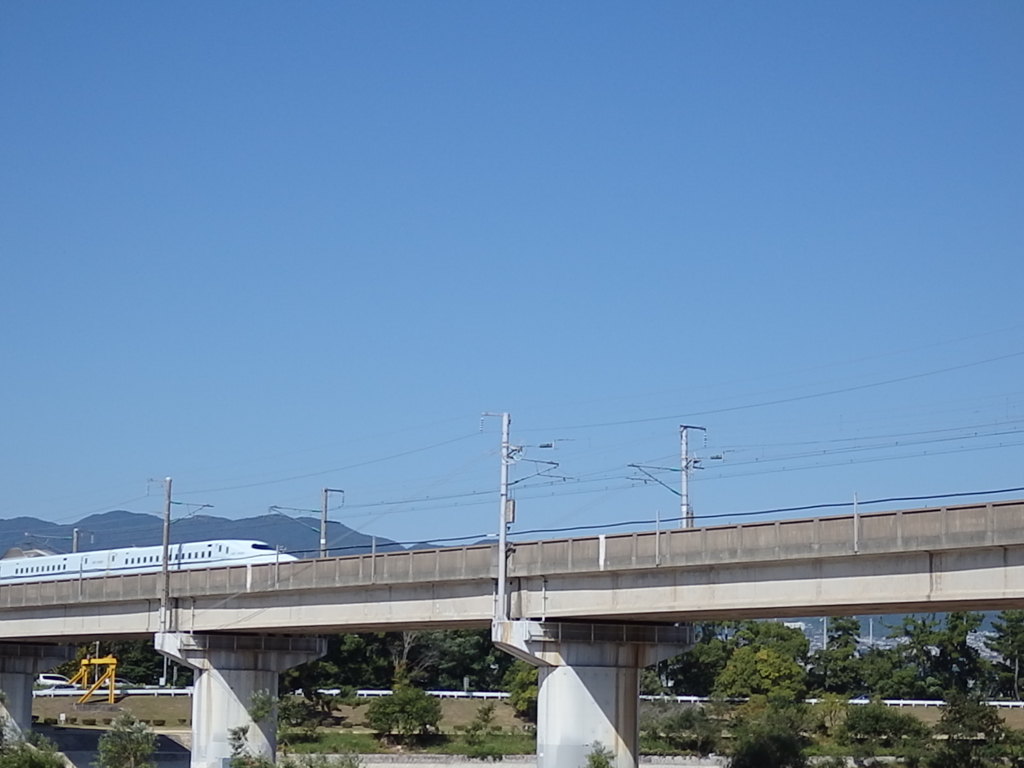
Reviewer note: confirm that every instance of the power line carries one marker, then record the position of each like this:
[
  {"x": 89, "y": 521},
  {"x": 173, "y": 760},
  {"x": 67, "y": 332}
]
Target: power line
[
  {"x": 779, "y": 510},
  {"x": 329, "y": 471},
  {"x": 794, "y": 399}
]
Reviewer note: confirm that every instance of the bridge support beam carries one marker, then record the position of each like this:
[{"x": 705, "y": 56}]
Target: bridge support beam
[
  {"x": 589, "y": 683},
  {"x": 19, "y": 666},
  {"x": 230, "y": 669}
]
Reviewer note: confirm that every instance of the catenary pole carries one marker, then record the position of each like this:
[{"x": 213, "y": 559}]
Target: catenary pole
[
  {"x": 323, "y": 523},
  {"x": 165, "y": 595},
  {"x": 686, "y": 465},
  {"x": 323, "y": 518},
  {"x": 501, "y": 609}
]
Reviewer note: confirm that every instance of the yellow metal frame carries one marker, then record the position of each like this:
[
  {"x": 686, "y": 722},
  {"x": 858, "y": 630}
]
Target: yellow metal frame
[{"x": 107, "y": 676}]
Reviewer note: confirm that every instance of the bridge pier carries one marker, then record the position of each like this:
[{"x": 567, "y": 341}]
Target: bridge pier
[
  {"x": 19, "y": 665},
  {"x": 229, "y": 670},
  {"x": 589, "y": 683}
]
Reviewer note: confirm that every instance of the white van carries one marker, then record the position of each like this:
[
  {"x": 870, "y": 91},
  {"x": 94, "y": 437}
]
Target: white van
[{"x": 51, "y": 680}]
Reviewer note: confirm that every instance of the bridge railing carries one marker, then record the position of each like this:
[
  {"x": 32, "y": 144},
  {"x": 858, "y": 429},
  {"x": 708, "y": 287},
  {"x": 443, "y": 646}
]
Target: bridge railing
[{"x": 932, "y": 529}]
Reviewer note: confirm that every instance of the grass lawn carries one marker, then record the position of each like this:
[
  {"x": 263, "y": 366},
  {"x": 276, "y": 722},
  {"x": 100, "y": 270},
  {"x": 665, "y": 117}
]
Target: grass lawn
[{"x": 172, "y": 710}]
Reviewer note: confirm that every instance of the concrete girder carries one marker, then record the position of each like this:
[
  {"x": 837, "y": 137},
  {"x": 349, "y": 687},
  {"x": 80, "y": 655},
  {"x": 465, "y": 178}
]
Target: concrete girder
[
  {"x": 229, "y": 670},
  {"x": 588, "y": 683}
]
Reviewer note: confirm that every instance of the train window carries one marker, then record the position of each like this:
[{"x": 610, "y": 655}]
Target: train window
[{"x": 263, "y": 546}]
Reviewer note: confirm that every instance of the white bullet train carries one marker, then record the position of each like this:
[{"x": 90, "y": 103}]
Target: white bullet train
[{"x": 131, "y": 560}]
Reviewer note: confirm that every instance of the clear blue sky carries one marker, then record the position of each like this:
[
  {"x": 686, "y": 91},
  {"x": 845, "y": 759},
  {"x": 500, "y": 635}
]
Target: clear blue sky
[{"x": 265, "y": 248}]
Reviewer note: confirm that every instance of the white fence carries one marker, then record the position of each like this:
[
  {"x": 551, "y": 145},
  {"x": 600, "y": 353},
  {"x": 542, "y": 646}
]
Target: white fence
[{"x": 370, "y": 693}]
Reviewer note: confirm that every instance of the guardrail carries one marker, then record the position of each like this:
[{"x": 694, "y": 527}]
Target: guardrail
[
  {"x": 860, "y": 701},
  {"x": 372, "y": 693},
  {"x": 55, "y": 693}
]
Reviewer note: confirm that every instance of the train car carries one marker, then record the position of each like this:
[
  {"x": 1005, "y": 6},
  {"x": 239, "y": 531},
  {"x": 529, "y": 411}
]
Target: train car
[{"x": 131, "y": 560}]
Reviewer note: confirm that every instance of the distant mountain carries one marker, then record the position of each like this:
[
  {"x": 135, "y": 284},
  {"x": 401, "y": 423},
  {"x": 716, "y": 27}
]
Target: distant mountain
[{"x": 300, "y": 536}]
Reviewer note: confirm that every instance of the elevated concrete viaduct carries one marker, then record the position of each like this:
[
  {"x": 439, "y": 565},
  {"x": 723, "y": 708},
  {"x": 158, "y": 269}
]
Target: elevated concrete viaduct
[{"x": 588, "y": 611}]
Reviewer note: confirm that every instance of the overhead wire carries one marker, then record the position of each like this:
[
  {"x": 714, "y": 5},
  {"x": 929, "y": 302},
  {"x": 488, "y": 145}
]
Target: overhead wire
[
  {"x": 781, "y": 401},
  {"x": 330, "y": 471}
]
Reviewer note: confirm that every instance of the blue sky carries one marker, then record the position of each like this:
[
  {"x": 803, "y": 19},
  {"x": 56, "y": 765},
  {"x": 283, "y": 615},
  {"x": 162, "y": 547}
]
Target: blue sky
[{"x": 267, "y": 248}]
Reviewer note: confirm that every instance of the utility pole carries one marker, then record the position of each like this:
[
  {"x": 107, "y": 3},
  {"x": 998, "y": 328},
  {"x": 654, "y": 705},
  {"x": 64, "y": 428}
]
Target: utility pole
[
  {"x": 507, "y": 451},
  {"x": 506, "y": 460},
  {"x": 165, "y": 594},
  {"x": 687, "y": 464},
  {"x": 323, "y": 519},
  {"x": 74, "y": 540}
]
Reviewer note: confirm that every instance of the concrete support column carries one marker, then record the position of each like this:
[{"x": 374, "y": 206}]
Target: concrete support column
[
  {"x": 589, "y": 683},
  {"x": 19, "y": 666},
  {"x": 229, "y": 670}
]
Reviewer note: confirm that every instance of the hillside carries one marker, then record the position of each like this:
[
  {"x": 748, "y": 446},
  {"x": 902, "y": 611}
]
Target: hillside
[{"x": 300, "y": 536}]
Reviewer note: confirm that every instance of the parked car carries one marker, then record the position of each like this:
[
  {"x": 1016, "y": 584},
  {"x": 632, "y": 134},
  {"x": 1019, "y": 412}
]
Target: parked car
[{"x": 52, "y": 680}]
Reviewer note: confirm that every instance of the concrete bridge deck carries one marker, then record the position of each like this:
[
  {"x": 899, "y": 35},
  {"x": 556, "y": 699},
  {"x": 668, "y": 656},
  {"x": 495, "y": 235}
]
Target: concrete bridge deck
[{"x": 931, "y": 559}]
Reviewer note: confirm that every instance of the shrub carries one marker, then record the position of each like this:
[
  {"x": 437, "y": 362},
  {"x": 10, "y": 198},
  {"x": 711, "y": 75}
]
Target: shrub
[
  {"x": 39, "y": 754},
  {"x": 600, "y": 756},
  {"x": 128, "y": 744},
  {"x": 521, "y": 683},
  {"x": 877, "y": 729},
  {"x": 407, "y": 712},
  {"x": 772, "y": 738},
  {"x": 975, "y": 734},
  {"x": 321, "y": 761},
  {"x": 676, "y": 728}
]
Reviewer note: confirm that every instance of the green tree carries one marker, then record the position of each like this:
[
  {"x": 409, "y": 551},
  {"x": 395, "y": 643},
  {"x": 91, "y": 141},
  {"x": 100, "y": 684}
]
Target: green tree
[
  {"x": 128, "y": 744},
  {"x": 940, "y": 654},
  {"x": 974, "y": 734},
  {"x": 874, "y": 728},
  {"x": 406, "y": 713},
  {"x": 297, "y": 714},
  {"x": 39, "y": 753},
  {"x": 352, "y": 661},
  {"x": 753, "y": 671},
  {"x": 787, "y": 642},
  {"x": 481, "y": 726},
  {"x": 889, "y": 675},
  {"x": 1009, "y": 644},
  {"x": 680, "y": 728},
  {"x": 454, "y": 655},
  {"x": 770, "y": 738},
  {"x": 837, "y": 668},
  {"x": 521, "y": 684},
  {"x": 693, "y": 673}
]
